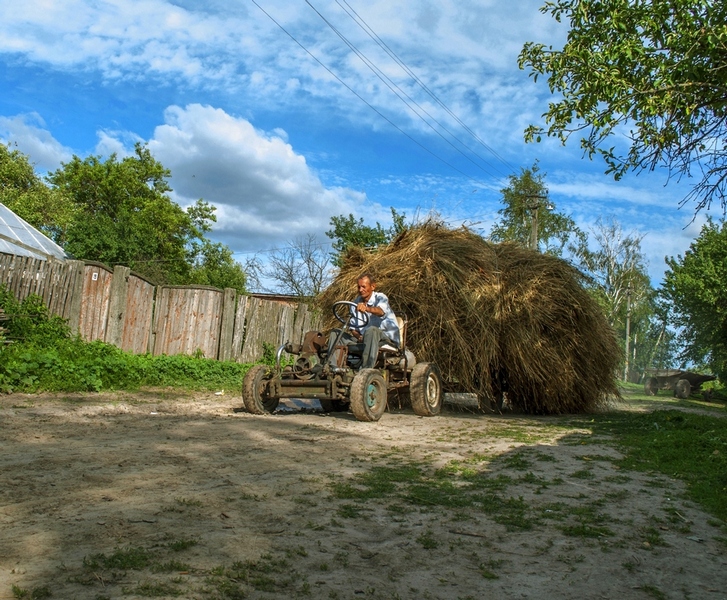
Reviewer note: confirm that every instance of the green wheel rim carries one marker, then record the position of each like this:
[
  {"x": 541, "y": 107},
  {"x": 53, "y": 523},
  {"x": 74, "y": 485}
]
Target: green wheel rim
[{"x": 371, "y": 394}]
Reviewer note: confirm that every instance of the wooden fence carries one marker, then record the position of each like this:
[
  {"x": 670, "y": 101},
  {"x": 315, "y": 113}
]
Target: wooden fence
[{"x": 124, "y": 309}]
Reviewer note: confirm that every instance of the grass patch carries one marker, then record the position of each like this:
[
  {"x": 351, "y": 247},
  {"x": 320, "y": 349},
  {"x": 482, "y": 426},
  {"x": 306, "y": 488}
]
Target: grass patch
[
  {"x": 586, "y": 530},
  {"x": 180, "y": 545},
  {"x": 38, "y": 593},
  {"x": 172, "y": 566},
  {"x": 452, "y": 487},
  {"x": 189, "y": 502},
  {"x": 122, "y": 559},
  {"x": 428, "y": 541},
  {"x": 154, "y": 589},
  {"x": 376, "y": 483},
  {"x": 689, "y": 447}
]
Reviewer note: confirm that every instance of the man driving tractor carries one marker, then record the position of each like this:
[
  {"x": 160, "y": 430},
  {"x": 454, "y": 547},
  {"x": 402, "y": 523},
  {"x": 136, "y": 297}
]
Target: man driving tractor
[{"x": 380, "y": 329}]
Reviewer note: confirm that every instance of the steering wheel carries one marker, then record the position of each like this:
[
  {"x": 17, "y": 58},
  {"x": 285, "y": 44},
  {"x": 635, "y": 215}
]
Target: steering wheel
[{"x": 361, "y": 319}]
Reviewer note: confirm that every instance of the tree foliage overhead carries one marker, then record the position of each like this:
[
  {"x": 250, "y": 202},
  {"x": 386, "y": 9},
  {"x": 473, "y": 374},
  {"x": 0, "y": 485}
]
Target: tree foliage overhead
[
  {"x": 654, "y": 70},
  {"x": 525, "y": 200},
  {"x": 696, "y": 286}
]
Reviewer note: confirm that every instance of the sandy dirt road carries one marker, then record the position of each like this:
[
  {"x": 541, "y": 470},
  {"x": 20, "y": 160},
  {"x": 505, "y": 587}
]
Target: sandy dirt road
[{"x": 163, "y": 495}]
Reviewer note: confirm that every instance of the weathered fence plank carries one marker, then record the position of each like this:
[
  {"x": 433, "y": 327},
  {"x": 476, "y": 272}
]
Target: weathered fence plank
[
  {"x": 138, "y": 315},
  {"x": 75, "y": 291},
  {"x": 240, "y": 328},
  {"x": 117, "y": 305},
  {"x": 188, "y": 321},
  {"x": 227, "y": 324},
  {"x": 95, "y": 301}
]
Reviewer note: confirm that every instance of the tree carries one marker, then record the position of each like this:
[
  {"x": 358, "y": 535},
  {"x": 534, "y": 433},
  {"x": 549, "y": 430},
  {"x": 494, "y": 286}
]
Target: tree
[
  {"x": 616, "y": 268},
  {"x": 652, "y": 70},
  {"x": 348, "y": 232},
  {"x": 212, "y": 264},
  {"x": 27, "y": 195},
  {"x": 303, "y": 268},
  {"x": 529, "y": 217},
  {"x": 696, "y": 286},
  {"x": 124, "y": 215},
  {"x": 618, "y": 279}
]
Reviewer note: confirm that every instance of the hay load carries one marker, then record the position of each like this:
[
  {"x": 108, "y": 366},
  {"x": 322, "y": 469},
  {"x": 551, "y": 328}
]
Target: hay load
[{"x": 494, "y": 317}]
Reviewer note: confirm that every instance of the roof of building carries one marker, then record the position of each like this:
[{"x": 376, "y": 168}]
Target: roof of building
[{"x": 22, "y": 239}]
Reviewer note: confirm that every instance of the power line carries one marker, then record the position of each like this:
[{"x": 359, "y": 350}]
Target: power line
[
  {"x": 349, "y": 88},
  {"x": 401, "y": 94},
  {"x": 374, "y": 36}
]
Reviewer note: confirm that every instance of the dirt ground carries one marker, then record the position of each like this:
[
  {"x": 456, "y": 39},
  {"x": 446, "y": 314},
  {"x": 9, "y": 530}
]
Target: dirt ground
[{"x": 160, "y": 495}]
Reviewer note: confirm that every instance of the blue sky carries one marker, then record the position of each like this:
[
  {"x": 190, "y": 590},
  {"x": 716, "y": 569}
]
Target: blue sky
[{"x": 282, "y": 126}]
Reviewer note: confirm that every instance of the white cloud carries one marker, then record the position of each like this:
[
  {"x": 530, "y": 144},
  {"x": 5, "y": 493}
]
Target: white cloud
[
  {"x": 463, "y": 51},
  {"x": 116, "y": 142},
  {"x": 265, "y": 192},
  {"x": 28, "y": 132}
]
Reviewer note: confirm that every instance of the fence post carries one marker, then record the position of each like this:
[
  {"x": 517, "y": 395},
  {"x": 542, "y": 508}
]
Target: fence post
[
  {"x": 117, "y": 305},
  {"x": 240, "y": 320},
  {"x": 227, "y": 324},
  {"x": 76, "y": 293}
]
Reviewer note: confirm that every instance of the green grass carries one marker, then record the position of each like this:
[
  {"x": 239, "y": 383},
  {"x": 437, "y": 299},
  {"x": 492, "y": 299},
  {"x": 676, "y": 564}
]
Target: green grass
[
  {"x": 154, "y": 589},
  {"x": 121, "y": 559},
  {"x": 450, "y": 487},
  {"x": 38, "y": 593},
  {"x": 180, "y": 545},
  {"x": 686, "y": 446},
  {"x": 45, "y": 356}
]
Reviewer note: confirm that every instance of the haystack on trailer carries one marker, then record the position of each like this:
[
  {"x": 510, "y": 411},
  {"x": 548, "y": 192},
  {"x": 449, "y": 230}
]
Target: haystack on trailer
[
  {"x": 495, "y": 318},
  {"x": 683, "y": 383}
]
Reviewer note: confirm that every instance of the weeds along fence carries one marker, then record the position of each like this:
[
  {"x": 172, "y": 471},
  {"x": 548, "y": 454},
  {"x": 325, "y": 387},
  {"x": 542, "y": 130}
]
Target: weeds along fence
[{"x": 124, "y": 309}]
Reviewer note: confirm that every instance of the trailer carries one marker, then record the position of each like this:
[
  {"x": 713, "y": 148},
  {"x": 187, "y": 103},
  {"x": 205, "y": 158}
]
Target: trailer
[{"x": 682, "y": 383}]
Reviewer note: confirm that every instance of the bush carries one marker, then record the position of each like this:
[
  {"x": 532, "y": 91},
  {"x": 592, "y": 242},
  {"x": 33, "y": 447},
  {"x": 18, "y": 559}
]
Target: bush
[{"x": 44, "y": 356}]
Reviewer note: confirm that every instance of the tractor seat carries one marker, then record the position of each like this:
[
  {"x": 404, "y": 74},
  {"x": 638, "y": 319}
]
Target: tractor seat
[{"x": 390, "y": 348}]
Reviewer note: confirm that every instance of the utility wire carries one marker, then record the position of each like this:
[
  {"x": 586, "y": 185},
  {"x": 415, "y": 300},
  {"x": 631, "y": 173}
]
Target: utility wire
[
  {"x": 378, "y": 112},
  {"x": 374, "y": 36},
  {"x": 401, "y": 94}
]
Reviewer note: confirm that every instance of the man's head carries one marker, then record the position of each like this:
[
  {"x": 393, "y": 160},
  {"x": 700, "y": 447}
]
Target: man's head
[{"x": 366, "y": 286}]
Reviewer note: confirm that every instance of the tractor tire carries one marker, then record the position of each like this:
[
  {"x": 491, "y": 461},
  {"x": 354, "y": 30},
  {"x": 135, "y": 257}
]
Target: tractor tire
[
  {"x": 368, "y": 395},
  {"x": 651, "y": 386},
  {"x": 682, "y": 389},
  {"x": 253, "y": 391},
  {"x": 426, "y": 390}
]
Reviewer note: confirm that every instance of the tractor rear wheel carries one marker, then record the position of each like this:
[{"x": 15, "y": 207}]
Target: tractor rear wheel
[
  {"x": 254, "y": 391},
  {"x": 368, "y": 395},
  {"x": 682, "y": 389},
  {"x": 426, "y": 390}
]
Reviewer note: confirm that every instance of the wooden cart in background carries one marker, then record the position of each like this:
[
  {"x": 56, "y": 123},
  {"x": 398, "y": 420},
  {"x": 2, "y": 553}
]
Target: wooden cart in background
[{"x": 682, "y": 383}]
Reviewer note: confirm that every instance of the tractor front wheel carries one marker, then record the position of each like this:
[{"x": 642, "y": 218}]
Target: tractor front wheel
[
  {"x": 426, "y": 390},
  {"x": 368, "y": 395},
  {"x": 254, "y": 391}
]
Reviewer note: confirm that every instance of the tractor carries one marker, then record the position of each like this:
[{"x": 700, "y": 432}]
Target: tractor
[{"x": 337, "y": 380}]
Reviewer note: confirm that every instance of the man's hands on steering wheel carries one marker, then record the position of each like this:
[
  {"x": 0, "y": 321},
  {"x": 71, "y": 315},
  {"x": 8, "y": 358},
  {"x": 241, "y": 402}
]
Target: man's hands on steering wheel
[{"x": 353, "y": 321}]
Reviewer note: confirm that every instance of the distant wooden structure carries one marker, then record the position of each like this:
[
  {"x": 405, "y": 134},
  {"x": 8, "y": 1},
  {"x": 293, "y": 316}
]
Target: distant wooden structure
[{"x": 122, "y": 308}]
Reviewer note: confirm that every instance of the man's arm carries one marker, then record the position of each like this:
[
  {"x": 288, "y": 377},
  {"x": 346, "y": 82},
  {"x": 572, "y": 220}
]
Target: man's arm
[{"x": 372, "y": 310}]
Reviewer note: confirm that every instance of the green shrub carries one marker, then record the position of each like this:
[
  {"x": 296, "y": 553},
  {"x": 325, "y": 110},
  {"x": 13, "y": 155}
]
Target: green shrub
[{"x": 44, "y": 356}]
